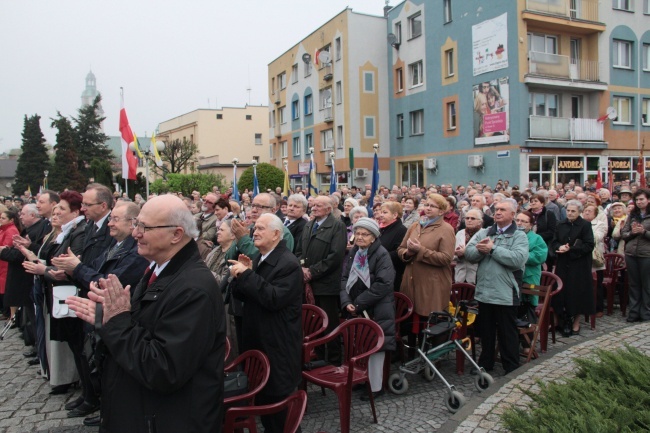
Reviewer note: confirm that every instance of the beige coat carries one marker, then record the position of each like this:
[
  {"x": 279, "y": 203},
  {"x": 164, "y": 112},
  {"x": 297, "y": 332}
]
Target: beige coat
[{"x": 427, "y": 277}]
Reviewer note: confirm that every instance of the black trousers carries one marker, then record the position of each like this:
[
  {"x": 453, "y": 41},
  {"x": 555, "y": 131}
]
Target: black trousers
[
  {"x": 273, "y": 423},
  {"x": 331, "y": 305},
  {"x": 498, "y": 320}
]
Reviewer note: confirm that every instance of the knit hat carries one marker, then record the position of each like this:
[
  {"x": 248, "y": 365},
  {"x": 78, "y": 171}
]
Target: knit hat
[
  {"x": 368, "y": 224},
  {"x": 354, "y": 202}
]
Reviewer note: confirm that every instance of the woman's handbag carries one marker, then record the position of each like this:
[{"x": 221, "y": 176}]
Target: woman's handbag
[
  {"x": 60, "y": 309},
  {"x": 598, "y": 258}
]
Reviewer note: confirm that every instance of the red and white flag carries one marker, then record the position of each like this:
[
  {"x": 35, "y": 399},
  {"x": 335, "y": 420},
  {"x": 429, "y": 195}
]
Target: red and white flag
[{"x": 129, "y": 161}]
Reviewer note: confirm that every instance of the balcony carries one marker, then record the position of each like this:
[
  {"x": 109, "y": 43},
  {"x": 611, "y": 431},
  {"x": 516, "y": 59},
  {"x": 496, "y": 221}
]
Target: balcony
[
  {"x": 328, "y": 114},
  {"x": 327, "y": 72},
  {"x": 565, "y": 129},
  {"x": 278, "y": 130},
  {"x": 558, "y": 70},
  {"x": 585, "y": 10}
]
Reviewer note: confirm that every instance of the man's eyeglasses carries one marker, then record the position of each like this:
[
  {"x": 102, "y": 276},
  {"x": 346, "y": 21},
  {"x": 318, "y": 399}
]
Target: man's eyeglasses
[
  {"x": 141, "y": 227},
  {"x": 118, "y": 219},
  {"x": 260, "y": 206},
  {"x": 363, "y": 235}
]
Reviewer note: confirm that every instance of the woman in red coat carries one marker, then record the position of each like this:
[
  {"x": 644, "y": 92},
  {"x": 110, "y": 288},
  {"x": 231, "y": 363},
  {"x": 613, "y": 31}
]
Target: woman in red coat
[{"x": 9, "y": 227}]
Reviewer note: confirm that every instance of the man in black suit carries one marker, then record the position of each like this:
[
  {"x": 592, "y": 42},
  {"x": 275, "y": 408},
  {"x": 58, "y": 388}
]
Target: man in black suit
[
  {"x": 271, "y": 288},
  {"x": 295, "y": 221},
  {"x": 97, "y": 203}
]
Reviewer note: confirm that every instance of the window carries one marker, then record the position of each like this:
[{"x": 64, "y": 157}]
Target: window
[
  {"x": 249, "y": 117},
  {"x": 296, "y": 146},
  {"x": 624, "y": 108},
  {"x": 258, "y": 139},
  {"x": 622, "y": 54},
  {"x": 412, "y": 173},
  {"x": 282, "y": 80},
  {"x": 541, "y": 43},
  {"x": 646, "y": 7},
  {"x": 273, "y": 85},
  {"x": 368, "y": 83},
  {"x": 451, "y": 115},
  {"x": 415, "y": 73},
  {"x": 325, "y": 97},
  {"x": 399, "y": 79},
  {"x": 294, "y": 74},
  {"x": 415, "y": 25},
  {"x": 327, "y": 139},
  {"x": 308, "y": 67},
  {"x": 417, "y": 122},
  {"x": 398, "y": 32},
  {"x": 281, "y": 114},
  {"x": 369, "y": 127},
  {"x": 646, "y": 56},
  {"x": 219, "y": 116},
  {"x": 645, "y": 108},
  {"x": 272, "y": 151},
  {"x": 309, "y": 143},
  {"x": 284, "y": 149},
  {"x": 449, "y": 59},
  {"x": 339, "y": 137},
  {"x": 625, "y": 5},
  {"x": 339, "y": 92},
  {"x": 337, "y": 47},
  {"x": 400, "y": 126},
  {"x": 272, "y": 119},
  {"x": 309, "y": 105},
  {"x": 447, "y": 10},
  {"x": 295, "y": 109},
  {"x": 543, "y": 104}
]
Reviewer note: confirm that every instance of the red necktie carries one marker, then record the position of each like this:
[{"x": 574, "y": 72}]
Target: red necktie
[{"x": 152, "y": 278}]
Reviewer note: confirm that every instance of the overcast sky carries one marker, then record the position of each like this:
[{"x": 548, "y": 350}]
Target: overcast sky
[{"x": 170, "y": 56}]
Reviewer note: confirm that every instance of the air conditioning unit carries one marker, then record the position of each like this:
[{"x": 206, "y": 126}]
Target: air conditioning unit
[
  {"x": 475, "y": 161},
  {"x": 431, "y": 163},
  {"x": 360, "y": 173}
]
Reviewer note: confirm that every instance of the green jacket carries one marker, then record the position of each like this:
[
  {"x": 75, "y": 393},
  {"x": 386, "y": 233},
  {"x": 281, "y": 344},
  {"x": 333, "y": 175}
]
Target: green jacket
[
  {"x": 537, "y": 252},
  {"x": 245, "y": 244}
]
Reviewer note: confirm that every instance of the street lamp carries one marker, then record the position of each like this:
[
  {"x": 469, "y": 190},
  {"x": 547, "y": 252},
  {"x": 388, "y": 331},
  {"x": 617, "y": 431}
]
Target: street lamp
[
  {"x": 160, "y": 146},
  {"x": 45, "y": 172}
]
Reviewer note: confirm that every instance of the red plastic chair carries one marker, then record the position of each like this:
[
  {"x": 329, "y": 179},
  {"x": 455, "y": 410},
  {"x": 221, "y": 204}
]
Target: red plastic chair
[
  {"x": 314, "y": 323},
  {"x": 295, "y": 406},
  {"x": 614, "y": 266},
  {"x": 228, "y": 348},
  {"x": 463, "y": 292},
  {"x": 361, "y": 338},
  {"x": 555, "y": 285},
  {"x": 257, "y": 368}
]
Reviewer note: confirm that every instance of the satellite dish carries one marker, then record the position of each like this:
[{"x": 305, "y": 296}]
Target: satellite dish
[
  {"x": 612, "y": 113},
  {"x": 324, "y": 57},
  {"x": 392, "y": 40},
  {"x": 306, "y": 58}
]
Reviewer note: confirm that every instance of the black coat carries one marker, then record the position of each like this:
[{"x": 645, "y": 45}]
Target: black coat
[
  {"x": 165, "y": 358},
  {"x": 95, "y": 244},
  {"x": 391, "y": 238},
  {"x": 574, "y": 268},
  {"x": 546, "y": 225},
  {"x": 20, "y": 283},
  {"x": 296, "y": 228},
  {"x": 126, "y": 264},
  {"x": 323, "y": 253},
  {"x": 378, "y": 300},
  {"x": 272, "y": 317}
]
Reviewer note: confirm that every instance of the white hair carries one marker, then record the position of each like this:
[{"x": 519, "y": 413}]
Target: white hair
[
  {"x": 182, "y": 217},
  {"x": 300, "y": 199},
  {"x": 275, "y": 223}
]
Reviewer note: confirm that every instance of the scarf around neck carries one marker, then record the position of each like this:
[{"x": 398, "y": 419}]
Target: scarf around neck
[{"x": 360, "y": 270}]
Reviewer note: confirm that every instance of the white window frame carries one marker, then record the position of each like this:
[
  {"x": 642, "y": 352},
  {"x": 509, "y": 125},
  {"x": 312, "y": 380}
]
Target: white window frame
[
  {"x": 646, "y": 7},
  {"x": 339, "y": 92},
  {"x": 417, "y": 122},
  {"x": 532, "y": 108},
  {"x": 366, "y": 74},
  {"x": 309, "y": 142},
  {"x": 308, "y": 68},
  {"x": 547, "y": 39},
  {"x": 338, "y": 48},
  {"x": 327, "y": 136},
  {"x": 619, "y": 48},
  {"x": 415, "y": 25},
  {"x": 446, "y": 4},
  {"x": 449, "y": 59},
  {"x": 340, "y": 139},
  {"x": 258, "y": 139},
  {"x": 325, "y": 98},
  {"x": 645, "y": 111},
  {"x": 283, "y": 146},
  {"x": 399, "y": 74},
  {"x": 416, "y": 70},
  {"x": 309, "y": 104},
  {"x": 296, "y": 146},
  {"x": 272, "y": 119},
  {"x": 282, "y": 80},
  {"x": 369, "y": 121},
  {"x": 623, "y": 5},
  {"x": 618, "y": 103},
  {"x": 282, "y": 115},
  {"x": 272, "y": 151},
  {"x": 294, "y": 74},
  {"x": 398, "y": 32},
  {"x": 646, "y": 55},
  {"x": 400, "y": 125},
  {"x": 452, "y": 114},
  {"x": 295, "y": 109}
]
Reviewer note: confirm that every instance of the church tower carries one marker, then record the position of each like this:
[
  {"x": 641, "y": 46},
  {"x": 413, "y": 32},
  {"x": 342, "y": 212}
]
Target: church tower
[{"x": 90, "y": 93}]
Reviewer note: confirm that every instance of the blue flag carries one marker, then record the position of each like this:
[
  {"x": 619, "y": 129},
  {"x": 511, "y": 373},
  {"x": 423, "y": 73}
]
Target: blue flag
[
  {"x": 256, "y": 185},
  {"x": 235, "y": 192},
  {"x": 375, "y": 181},
  {"x": 333, "y": 179},
  {"x": 312, "y": 188}
]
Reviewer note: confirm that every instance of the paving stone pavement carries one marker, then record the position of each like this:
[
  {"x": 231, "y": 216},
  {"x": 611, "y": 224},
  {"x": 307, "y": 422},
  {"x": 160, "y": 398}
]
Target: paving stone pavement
[{"x": 27, "y": 406}]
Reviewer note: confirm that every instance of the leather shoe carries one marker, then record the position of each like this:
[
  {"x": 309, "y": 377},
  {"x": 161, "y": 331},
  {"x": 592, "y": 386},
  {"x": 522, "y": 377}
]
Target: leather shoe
[
  {"x": 366, "y": 397},
  {"x": 92, "y": 421},
  {"x": 632, "y": 319},
  {"x": 33, "y": 361},
  {"x": 29, "y": 354},
  {"x": 60, "y": 389},
  {"x": 84, "y": 409},
  {"x": 74, "y": 403}
]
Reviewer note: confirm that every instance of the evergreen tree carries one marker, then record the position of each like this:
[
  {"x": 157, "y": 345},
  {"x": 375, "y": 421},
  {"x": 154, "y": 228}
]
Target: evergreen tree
[
  {"x": 33, "y": 159},
  {"x": 177, "y": 156},
  {"x": 90, "y": 140},
  {"x": 65, "y": 172},
  {"x": 101, "y": 172},
  {"x": 268, "y": 177}
]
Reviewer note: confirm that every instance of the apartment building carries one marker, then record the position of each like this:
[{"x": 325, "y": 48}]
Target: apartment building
[
  {"x": 222, "y": 135},
  {"x": 328, "y": 93}
]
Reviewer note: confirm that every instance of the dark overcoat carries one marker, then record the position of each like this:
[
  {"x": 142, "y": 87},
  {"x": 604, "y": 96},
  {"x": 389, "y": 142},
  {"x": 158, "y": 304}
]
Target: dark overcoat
[
  {"x": 391, "y": 238},
  {"x": 323, "y": 252}
]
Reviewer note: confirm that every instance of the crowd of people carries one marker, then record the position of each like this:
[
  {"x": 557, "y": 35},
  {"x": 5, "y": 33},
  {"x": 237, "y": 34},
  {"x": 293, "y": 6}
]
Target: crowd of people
[{"x": 158, "y": 284}]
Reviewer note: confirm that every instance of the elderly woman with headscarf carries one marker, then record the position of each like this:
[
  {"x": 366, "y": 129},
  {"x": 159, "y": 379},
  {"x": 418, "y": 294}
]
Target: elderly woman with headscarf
[
  {"x": 348, "y": 205},
  {"x": 355, "y": 213},
  {"x": 367, "y": 286}
]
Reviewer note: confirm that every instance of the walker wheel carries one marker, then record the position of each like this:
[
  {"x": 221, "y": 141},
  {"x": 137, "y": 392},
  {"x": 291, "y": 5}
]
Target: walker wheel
[
  {"x": 455, "y": 400},
  {"x": 429, "y": 374},
  {"x": 483, "y": 381},
  {"x": 397, "y": 384}
]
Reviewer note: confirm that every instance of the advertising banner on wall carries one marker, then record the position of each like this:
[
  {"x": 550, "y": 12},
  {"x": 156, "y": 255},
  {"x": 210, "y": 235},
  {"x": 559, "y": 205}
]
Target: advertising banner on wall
[
  {"x": 491, "y": 114},
  {"x": 490, "y": 45}
]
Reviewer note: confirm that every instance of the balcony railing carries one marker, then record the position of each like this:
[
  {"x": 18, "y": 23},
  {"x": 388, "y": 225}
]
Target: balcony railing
[
  {"x": 572, "y": 9},
  {"x": 278, "y": 130},
  {"x": 563, "y": 128},
  {"x": 328, "y": 114},
  {"x": 555, "y": 65}
]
